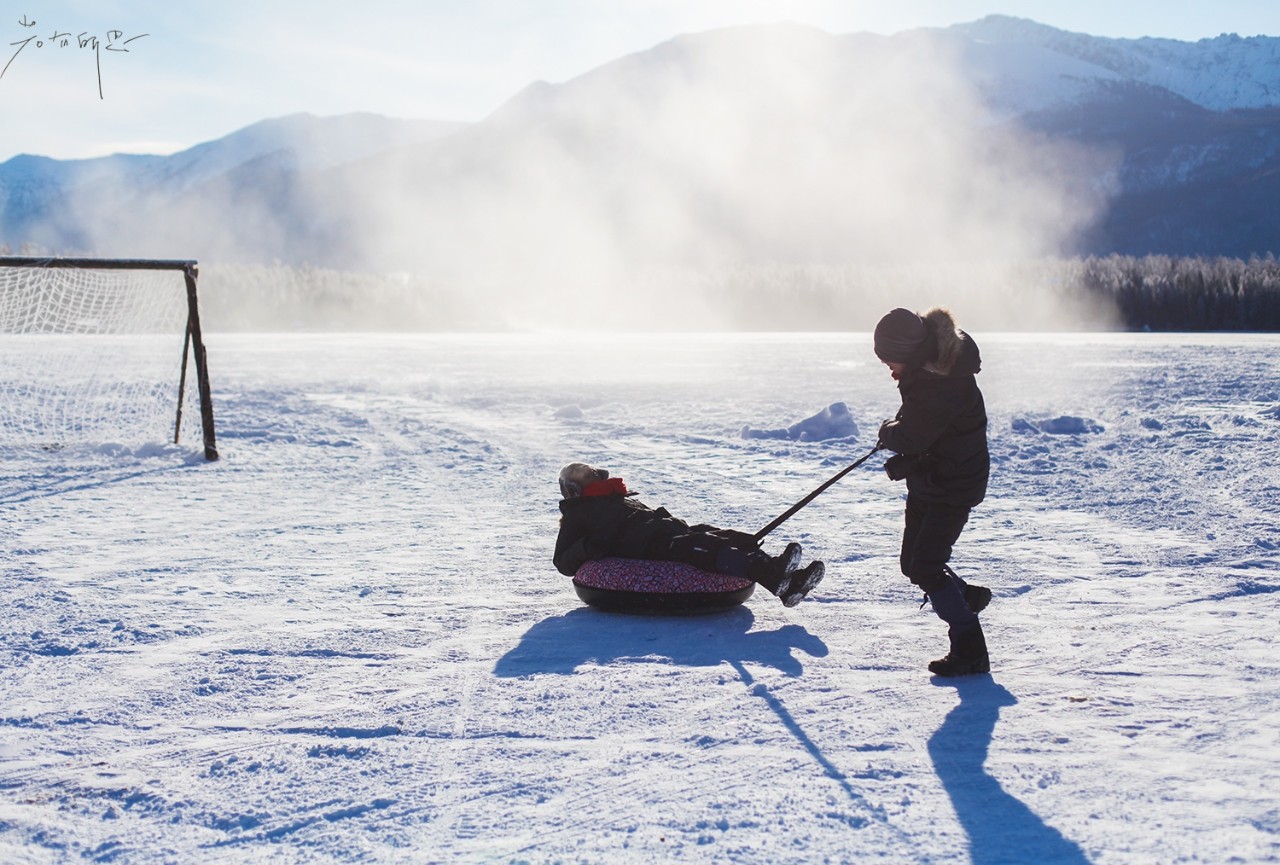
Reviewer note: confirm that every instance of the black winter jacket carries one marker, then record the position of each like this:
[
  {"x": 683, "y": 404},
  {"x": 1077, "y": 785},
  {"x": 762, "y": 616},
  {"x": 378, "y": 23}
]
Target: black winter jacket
[
  {"x": 943, "y": 421},
  {"x": 595, "y": 527}
]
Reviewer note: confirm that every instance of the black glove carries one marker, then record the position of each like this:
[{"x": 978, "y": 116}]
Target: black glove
[{"x": 900, "y": 466}]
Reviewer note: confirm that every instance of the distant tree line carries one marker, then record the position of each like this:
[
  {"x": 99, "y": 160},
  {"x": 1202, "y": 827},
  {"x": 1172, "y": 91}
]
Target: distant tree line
[
  {"x": 1155, "y": 292},
  {"x": 1164, "y": 293}
]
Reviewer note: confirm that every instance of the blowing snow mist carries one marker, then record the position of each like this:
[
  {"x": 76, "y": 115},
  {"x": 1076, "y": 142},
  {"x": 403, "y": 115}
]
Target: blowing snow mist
[
  {"x": 765, "y": 166},
  {"x": 759, "y": 177}
]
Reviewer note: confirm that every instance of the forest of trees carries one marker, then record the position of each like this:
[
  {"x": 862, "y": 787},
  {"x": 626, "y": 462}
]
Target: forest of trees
[
  {"x": 1156, "y": 293},
  {"x": 1162, "y": 293}
]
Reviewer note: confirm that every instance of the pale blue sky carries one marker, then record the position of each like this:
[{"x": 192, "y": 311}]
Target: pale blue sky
[{"x": 204, "y": 70}]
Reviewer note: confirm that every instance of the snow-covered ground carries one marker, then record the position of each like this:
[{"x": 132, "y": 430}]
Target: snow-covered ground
[{"x": 345, "y": 640}]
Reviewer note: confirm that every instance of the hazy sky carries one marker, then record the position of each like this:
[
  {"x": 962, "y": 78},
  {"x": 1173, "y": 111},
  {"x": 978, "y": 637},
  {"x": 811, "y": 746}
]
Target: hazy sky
[{"x": 90, "y": 77}]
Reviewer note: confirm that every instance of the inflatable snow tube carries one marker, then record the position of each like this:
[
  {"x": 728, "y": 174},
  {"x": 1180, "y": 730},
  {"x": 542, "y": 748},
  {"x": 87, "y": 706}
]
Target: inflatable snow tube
[{"x": 663, "y": 588}]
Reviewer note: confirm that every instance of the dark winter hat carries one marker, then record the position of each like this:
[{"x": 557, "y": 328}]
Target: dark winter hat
[{"x": 899, "y": 336}]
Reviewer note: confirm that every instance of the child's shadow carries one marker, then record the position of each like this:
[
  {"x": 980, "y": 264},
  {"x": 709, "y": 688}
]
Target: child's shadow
[
  {"x": 1001, "y": 828},
  {"x": 560, "y": 644}
]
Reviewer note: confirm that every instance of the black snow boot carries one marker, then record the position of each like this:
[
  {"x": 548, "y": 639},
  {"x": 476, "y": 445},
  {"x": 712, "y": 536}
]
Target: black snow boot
[
  {"x": 802, "y": 582},
  {"x": 977, "y": 597},
  {"x": 774, "y": 572},
  {"x": 968, "y": 655},
  {"x": 790, "y": 557}
]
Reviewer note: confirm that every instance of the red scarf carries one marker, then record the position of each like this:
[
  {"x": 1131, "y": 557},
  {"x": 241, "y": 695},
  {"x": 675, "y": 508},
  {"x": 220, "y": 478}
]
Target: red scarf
[{"x": 606, "y": 487}]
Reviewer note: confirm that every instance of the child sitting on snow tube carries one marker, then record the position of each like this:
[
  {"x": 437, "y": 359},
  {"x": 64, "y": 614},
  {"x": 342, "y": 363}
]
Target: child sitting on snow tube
[{"x": 600, "y": 519}]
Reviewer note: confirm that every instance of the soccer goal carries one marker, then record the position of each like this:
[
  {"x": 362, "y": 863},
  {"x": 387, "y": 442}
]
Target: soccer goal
[{"x": 95, "y": 351}]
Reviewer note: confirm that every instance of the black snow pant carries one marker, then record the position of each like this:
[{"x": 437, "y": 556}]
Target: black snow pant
[
  {"x": 928, "y": 536},
  {"x": 719, "y": 551}
]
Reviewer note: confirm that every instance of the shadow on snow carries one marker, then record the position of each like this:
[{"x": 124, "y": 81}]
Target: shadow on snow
[
  {"x": 70, "y": 478},
  {"x": 1000, "y": 828},
  {"x": 561, "y": 644}
]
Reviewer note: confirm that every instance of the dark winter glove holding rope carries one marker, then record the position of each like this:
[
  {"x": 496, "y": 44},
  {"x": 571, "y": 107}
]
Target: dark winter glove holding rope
[
  {"x": 886, "y": 425},
  {"x": 900, "y": 466}
]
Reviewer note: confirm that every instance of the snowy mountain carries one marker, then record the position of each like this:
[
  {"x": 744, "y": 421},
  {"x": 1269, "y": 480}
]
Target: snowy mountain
[
  {"x": 1197, "y": 126},
  {"x": 299, "y": 142},
  {"x": 1221, "y": 74},
  {"x": 51, "y": 201},
  {"x": 999, "y": 139},
  {"x": 788, "y": 143}
]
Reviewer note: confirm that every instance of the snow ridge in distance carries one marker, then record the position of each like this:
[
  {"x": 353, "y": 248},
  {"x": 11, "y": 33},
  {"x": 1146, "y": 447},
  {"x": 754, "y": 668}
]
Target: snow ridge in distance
[{"x": 1223, "y": 73}]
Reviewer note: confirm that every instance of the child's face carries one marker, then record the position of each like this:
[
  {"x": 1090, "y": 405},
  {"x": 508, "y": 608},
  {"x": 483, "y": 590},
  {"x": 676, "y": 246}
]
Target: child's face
[{"x": 896, "y": 369}]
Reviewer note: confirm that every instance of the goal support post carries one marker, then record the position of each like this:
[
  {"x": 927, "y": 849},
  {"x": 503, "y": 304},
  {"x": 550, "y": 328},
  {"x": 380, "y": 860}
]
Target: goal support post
[{"x": 193, "y": 340}]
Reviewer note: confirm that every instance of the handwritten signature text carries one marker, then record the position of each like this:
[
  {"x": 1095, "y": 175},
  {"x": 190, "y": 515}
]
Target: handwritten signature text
[{"x": 112, "y": 40}]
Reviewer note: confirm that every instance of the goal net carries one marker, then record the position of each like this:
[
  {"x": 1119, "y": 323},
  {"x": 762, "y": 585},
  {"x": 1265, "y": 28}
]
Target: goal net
[{"x": 102, "y": 351}]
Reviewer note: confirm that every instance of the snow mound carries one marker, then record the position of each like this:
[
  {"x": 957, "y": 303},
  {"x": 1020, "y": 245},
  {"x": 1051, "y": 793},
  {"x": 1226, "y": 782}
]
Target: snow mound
[
  {"x": 1064, "y": 425},
  {"x": 569, "y": 412},
  {"x": 833, "y": 422}
]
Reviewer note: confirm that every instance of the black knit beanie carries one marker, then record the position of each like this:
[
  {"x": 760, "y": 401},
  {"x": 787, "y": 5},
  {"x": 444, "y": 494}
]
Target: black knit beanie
[{"x": 899, "y": 336}]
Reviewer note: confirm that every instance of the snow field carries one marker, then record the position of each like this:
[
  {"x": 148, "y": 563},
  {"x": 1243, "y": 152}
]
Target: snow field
[{"x": 345, "y": 640}]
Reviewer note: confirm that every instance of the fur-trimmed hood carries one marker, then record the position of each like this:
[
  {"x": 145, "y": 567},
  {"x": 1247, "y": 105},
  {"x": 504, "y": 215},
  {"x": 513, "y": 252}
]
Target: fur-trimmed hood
[{"x": 957, "y": 353}]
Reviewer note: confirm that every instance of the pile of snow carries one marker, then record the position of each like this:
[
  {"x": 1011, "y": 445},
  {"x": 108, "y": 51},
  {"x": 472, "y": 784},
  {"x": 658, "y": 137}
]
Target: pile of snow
[
  {"x": 1062, "y": 425},
  {"x": 833, "y": 422}
]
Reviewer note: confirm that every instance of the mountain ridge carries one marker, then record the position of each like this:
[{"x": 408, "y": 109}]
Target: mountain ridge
[
  {"x": 709, "y": 146},
  {"x": 1221, "y": 73}
]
